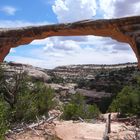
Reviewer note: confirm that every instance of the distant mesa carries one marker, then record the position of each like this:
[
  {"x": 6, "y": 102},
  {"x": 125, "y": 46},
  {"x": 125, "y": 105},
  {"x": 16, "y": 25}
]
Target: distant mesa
[{"x": 122, "y": 29}]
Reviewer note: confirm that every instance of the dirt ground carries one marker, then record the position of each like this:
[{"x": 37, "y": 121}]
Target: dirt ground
[
  {"x": 74, "y": 130},
  {"x": 69, "y": 130}
]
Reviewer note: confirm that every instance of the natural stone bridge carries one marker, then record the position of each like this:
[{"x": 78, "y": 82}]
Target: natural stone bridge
[{"x": 123, "y": 29}]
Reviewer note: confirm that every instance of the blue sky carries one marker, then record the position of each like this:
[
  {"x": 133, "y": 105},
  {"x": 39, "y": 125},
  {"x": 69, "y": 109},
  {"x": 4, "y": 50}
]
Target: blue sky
[
  {"x": 28, "y": 10},
  {"x": 55, "y": 51}
]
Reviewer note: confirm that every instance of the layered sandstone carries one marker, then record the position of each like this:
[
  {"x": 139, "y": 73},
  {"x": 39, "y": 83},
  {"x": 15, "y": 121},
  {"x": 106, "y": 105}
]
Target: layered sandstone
[{"x": 123, "y": 29}]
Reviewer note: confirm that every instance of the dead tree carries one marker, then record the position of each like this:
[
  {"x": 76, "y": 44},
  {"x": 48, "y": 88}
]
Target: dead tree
[{"x": 11, "y": 83}]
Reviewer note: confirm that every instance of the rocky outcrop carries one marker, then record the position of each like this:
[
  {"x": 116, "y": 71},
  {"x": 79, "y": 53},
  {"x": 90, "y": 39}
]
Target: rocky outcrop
[
  {"x": 34, "y": 72},
  {"x": 123, "y": 29}
]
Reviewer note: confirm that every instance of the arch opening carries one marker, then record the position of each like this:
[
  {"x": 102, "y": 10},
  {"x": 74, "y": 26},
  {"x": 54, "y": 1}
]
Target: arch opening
[
  {"x": 123, "y": 30},
  {"x": 56, "y": 51}
]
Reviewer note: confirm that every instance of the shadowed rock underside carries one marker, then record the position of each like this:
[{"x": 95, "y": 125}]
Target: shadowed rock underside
[{"x": 122, "y": 29}]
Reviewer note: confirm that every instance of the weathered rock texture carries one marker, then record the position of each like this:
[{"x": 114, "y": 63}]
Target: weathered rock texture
[
  {"x": 123, "y": 29},
  {"x": 34, "y": 72}
]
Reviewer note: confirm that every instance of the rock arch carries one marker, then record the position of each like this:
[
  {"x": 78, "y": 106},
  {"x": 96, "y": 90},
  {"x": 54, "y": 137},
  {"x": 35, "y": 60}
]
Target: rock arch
[{"x": 122, "y": 29}]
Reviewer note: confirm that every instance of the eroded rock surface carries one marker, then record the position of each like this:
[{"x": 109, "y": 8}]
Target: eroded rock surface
[
  {"x": 123, "y": 29},
  {"x": 35, "y": 72}
]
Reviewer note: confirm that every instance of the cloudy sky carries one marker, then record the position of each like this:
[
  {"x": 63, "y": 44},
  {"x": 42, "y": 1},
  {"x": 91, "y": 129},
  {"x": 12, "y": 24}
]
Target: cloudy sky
[{"x": 55, "y": 51}]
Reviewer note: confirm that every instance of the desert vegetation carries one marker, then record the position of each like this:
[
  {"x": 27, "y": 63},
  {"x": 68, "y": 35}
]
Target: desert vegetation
[
  {"x": 127, "y": 102},
  {"x": 77, "y": 108},
  {"x": 22, "y": 100}
]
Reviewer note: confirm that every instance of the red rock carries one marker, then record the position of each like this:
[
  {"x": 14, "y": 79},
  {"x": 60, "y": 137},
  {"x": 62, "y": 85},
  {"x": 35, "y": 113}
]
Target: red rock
[{"x": 122, "y": 29}]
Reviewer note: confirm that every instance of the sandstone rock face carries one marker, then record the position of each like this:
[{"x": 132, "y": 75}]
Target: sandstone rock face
[
  {"x": 34, "y": 72},
  {"x": 123, "y": 29}
]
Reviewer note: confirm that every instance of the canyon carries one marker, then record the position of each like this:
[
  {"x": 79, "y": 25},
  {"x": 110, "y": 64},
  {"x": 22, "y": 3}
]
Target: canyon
[{"x": 61, "y": 80}]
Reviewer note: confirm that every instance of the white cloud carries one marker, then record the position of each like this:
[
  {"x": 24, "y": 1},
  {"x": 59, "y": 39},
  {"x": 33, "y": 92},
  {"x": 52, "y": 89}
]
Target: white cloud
[
  {"x": 73, "y": 10},
  {"x": 66, "y": 45},
  {"x": 97, "y": 50},
  {"x": 105, "y": 51},
  {"x": 19, "y": 23},
  {"x": 9, "y": 10},
  {"x": 87, "y": 55},
  {"x": 80, "y": 50},
  {"x": 119, "y": 8}
]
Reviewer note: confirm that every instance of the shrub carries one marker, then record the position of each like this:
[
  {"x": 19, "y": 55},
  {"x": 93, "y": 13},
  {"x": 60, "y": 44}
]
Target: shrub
[
  {"x": 92, "y": 111},
  {"x": 22, "y": 100},
  {"x": 78, "y": 108},
  {"x": 3, "y": 119},
  {"x": 127, "y": 102},
  {"x": 33, "y": 102}
]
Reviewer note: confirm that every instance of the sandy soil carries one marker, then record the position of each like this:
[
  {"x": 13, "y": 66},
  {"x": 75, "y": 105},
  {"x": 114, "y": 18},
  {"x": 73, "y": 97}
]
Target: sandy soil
[
  {"x": 79, "y": 131},
  {"x": 69, "y": 130}
]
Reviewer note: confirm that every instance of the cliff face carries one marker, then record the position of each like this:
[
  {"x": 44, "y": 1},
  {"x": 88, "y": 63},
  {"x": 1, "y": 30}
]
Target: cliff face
[{"x": 123, "y": 29}]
